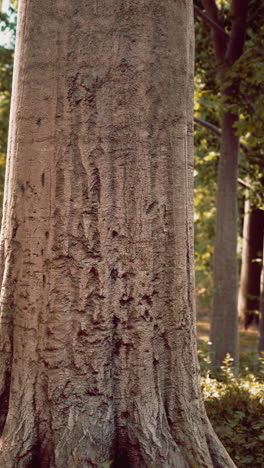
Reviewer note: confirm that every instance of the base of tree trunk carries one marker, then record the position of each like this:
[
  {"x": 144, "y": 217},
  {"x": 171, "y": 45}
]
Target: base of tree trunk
[{"x": 164, "y": 454}]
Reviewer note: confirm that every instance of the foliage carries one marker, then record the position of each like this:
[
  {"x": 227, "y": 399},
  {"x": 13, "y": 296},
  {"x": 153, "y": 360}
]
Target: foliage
[
  {"x": 204, "y": 218},
  {"x": 7, "y": 23},
  {"x": 249, "y": 71},
  {"x": 205, "y": 170},
  {"x": 207, "y": 147},
  {"x": 236, "y": 409}
]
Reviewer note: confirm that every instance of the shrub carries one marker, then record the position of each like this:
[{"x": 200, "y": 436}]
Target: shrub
[{"x": 236, "y": 410}]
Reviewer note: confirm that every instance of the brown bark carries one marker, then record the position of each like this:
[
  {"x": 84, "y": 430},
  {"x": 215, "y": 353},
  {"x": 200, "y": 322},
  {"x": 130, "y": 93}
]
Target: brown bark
[
  {"x": 252, "y": 246},
  {"x": 261, "y": 307},
  {"x": 219, "y": 39},
  {"x": 98, "y": 358},
  {"x": 211, "y": 20},
  {"x": 217, "y": 132},
  {"x": 224, "y": 320}
]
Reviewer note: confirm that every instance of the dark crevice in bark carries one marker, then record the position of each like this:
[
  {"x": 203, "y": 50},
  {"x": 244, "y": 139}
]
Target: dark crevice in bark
[
  {"x": 4, "y": 401},
  {"x": 36, "y": 457},
  {"x": 36, "y": 461},
  {"x": 7, "y": 335},
  {"x": 121, "y": 461},
  {"x": 36, "y": 446}
]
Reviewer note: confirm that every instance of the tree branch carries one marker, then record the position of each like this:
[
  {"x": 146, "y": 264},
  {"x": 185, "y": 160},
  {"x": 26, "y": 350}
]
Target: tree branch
[
  {"x": 217, "y": 131},
  {"x": 211, "y": 22},
  {"x": 220, "y": 42},
  {"x": 244, "y": 184},
  {"x": 209, "y": 126}
]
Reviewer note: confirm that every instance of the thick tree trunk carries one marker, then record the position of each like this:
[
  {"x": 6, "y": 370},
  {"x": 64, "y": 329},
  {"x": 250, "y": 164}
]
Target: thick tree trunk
[
  {"x": 224, "y": 320},
  {"x": 98, "y": 357},
  {"x": 249, "y": 290}
]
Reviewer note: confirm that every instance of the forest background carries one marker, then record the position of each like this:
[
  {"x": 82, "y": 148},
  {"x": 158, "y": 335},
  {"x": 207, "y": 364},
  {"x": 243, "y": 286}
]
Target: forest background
[{"x": 234, "y": 404}]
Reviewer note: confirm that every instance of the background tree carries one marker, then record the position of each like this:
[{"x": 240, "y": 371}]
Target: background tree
[
  {"x": 261, "y": 306},
  {"x": 251, "y": 264},
  {"x": 98, "y": 356},
  {"x": 228, "y": 52}
]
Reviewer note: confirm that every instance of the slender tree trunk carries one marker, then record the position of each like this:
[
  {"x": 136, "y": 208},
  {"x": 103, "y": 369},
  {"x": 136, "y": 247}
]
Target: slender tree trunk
[
  {"x": 98, "y": 356},
  {"x": 261, "y": 306},
  {"x": 252, "y": 246},
  {"x": 224, "y": 321}
]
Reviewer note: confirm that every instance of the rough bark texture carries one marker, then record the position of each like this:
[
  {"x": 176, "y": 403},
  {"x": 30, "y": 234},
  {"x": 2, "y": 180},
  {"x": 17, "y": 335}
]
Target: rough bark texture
[
  {"x": 98, "y": 356},
  {"x": 252, "y": 247}
]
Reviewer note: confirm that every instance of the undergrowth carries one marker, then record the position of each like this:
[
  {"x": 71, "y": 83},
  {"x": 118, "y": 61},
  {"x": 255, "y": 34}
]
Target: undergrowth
[{"x": 235, "y": 407}]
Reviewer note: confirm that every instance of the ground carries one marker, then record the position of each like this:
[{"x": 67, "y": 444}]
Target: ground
[{"x": 248, "y": 338}]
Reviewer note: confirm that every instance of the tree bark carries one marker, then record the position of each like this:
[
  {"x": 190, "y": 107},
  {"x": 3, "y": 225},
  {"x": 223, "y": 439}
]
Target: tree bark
[
  {"x": 261, "y": 307},
  {"x": 252, "y": 247},
  {"x": 224, "y": 320},
  {"x": 98, "y": 357}
]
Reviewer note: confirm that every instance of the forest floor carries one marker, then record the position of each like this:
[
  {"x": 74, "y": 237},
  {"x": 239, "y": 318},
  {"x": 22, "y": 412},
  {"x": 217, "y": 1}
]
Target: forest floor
[
  {"x": 248, "y": 338},
  {"x": 235, "y": 406}
]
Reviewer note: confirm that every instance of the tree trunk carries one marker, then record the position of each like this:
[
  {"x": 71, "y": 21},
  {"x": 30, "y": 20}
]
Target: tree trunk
[
  {"x": 224, "y": 320},
  {"x": 252, "y": 246},
  {"x": 261, "y": 307},
  {"x": 98, "y": 355}
]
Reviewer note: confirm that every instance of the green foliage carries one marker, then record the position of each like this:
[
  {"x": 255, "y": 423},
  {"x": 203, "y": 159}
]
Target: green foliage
[
  {"x": 205, "y": 171},
  {"x": 5, "y": 92},
  {"x": 206, "y": 158},
  {"x": 204, "y": 221},
  {"x": 205, "y": 358},
  {"x": 236, "y": 409},
  {"x": 250, "y": 127},
  {"x": 7, "y": 23},
  {"x": 209, "y": 106},
  {"x": 6, "y": 70}
]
